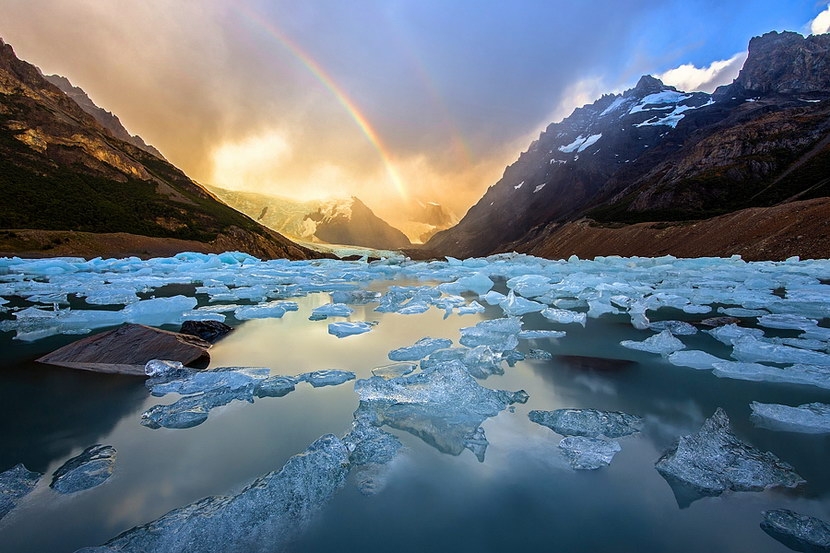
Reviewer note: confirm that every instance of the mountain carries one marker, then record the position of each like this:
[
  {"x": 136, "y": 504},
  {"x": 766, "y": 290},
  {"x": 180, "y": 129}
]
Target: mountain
[
  {"x": 345, "y": 221},
  {"x": 107, "y": 119},
  {"x": 656, "y": 154},
  {"x": 68, "y": 186}
]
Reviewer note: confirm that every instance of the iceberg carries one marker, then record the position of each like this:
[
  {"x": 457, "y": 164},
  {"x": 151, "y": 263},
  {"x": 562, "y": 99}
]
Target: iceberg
[
  {"x": 493, "y": 298},
  {"x": 275, "y": 386},
  {"x": 89, "y": 469},
  {"x": 394, "y": 370},
  {"x": 158, "y": 311},
  {"x": 694, "y": 358},
  {"x": 15, "y": 483},
  {"x": 422, "y": 348},
  {"x": 269, "y": 310},
  {"x": 677, "y": 328},
  {"x": 326, "y": 377},
  {"x": 539, "y": 354},
  {"x": 473, "y": 308},
  {"x": 444, "y": 406},
  {"x": 564, "y": 316},
  {"x": 267, "y": 515},
  {"x": 530, "y": 286},
  {"x": 477, "y": 283},
  {"x": 498, "y": 334},
  {"x": 663, "y": 343},
  {"x": 516, "y": 306},
  {"x": 372, "y": 449},
  {"x": 584, "y": 453},
  {"x": 588, "y": 422},
  {"x": 541, "y": 334},
  {"x": 750, "y": 349},
  {"x": 796, "y": 531},
  {"x": 809, "y": 418},
  {"x": 482, "y": 362},
  {"x": 161, "y": 368},
  {"x": 341, "y": 330},
  {"x": 330, "y": 310},
  {"x": 726, "y": 333},
  {"x": 355, "y": 297},
  {"x": 714, "y": 460},
  {"x": 810, "y": 375}
]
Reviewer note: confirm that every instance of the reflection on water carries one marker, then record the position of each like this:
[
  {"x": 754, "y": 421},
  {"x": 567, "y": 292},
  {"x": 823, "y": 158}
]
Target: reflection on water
[{"x": 474, "y": 473}]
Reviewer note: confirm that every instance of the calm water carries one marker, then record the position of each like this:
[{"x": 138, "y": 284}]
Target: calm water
[{"x": 523, "y": 496}]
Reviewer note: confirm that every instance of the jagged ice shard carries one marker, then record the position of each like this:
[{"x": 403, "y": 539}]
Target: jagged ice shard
[
  {"x": 809, "y": 418},
  {"x": 444, "y": 406},
  {"x": 264, "y": 517},
  {"x": 714, "y": 460}
]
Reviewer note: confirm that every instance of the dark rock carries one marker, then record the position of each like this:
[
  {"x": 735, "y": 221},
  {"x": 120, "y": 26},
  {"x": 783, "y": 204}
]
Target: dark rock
[
  {"x": 719, "y": 321},
  {"x": 126, "y": 350},
  {"x": 209, "y": 331},
  {"x": 89, "y": 469}
]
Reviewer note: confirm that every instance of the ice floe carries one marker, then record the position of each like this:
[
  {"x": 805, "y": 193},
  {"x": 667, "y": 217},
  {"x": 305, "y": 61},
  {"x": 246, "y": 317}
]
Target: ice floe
[
  {"x": 422, "y": 348},
  {"x": 809, "y": 418},
  {"x": 796, "y": 531},
  {"x": 15, "y": 483},
  {"x": 584, "y": 453},
  {"x": 663, "y": 343},
  {"x": 810, "y": 375},
  {"x": 714, "y": 460},
  {"x": 498, "y": 334},
  {"x": 343, "y": 329},
  {"x": 694, "y": 358},
  {"x": 592, "y": 423},
  {"x": 89, "y": 469}
]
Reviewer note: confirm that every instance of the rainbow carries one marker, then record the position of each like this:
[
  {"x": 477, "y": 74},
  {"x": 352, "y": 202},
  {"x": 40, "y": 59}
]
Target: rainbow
[{"x": 320, "y": 74}]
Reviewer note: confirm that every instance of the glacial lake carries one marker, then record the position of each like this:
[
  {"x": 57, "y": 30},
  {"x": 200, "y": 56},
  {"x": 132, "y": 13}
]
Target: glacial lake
[{"x": 451, "y": 485}]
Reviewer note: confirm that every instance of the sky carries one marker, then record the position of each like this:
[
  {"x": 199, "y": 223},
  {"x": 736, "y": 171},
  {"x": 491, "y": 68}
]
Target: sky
[{"x": 398, "y": 102}]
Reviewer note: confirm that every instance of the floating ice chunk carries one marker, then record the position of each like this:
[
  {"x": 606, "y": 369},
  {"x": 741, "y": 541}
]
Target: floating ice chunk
[
  {"x": 694, "y": 309},
  {"x": 394, "y": 370},
  {"x": 663, "y": 343},
  {"x": 89, "y": 469},
  {"x": 530, "y": 286},
  {"x": 355, "y": 297},
  {"x": 15, "y": 483},
  {"x": 677, "y": 328},
  {"x": 810, "y": 375},
  {"x": 197, "y": 382},
  {"x": 563, "y": 316},
  {"x": 441, "y": 356},
  {"x": 695, "y": 359},
  {"x": 597, "y": 308},
  {"x": 478, "y": 283},
  {"x": 267, "y": 515},
  {"x": 516, "y": 306},
  {"x": 443, "y": 406},
  {"x": 109, "y": 295},
  {"x": 482, "y": 362},
  {"x": 413, "y": 308},
  {"x": 268, "y": 310},
  {"x": 815, "y": 345},
  {"x": 714, "y": 460},
  {"x": 585, "y": 453},
  {"x": 787, "y": 321},
  {"x": 371, "y": 449},
  {"x": 750, "y": 349},
  {"x": 499, "y": 334},
  {"x": 798, "y": 532},
  {"x": 809, "y": 418},
  {"x": 539, "y": 354},
  {"x": 157, "y": 311},
  {"x": 162, "y": 368},
  {"x": 187, "y": 412},
  {"x": 341, "y": 330},
  {"x": 330, "y": 310},
  {"x": 588, "y": 422},
  {"x": 473, "y": 308},
  {"x": 727, "y": 333},
  {"x": 422, "y": 348},
  {"x": 541, "y": 334},
  {"x": 742, "y": 312},
  {"x": 326, "y": 377},
  {"x": 275, "y": 386},
  {"x": 493, "y": 298}
]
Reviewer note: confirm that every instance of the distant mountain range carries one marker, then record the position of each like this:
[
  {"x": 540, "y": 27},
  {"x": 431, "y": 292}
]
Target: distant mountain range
[
  {"x": 72, "y": 183},
  {"x": 635, "y": 173},
  {"x": 337, "y": 221}
]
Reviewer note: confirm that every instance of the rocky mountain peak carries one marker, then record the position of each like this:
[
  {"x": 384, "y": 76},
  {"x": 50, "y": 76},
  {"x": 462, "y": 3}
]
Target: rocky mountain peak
[
  {"x": 786, "y": 63},
  {"x": 649, "y": 85}
]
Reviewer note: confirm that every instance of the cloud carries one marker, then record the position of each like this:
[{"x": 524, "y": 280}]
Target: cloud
[
  {"x": 821, "y": 24},
  {"x": 689, "y": 78}
]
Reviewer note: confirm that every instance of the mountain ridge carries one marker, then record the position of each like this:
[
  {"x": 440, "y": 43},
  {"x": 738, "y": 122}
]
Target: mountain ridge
[{"x": 654, "y": 153}]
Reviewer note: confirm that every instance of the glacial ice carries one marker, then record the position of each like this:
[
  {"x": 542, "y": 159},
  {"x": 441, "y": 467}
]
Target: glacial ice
[
  {"x": 371, "y": 450},
  {"x": 540, "y": 354},
  {"x": 750, "y": 349},
  {"x": 15, "y": 483},
  {"x": 591, "y": 423},
  {"x": 810, "y": 375},
  {"x": 530, "y": 286},
  {"x": 564, "y": 316},
  {"x": 482, "y": 362},
  {"x": 516, "y": 306},
  {"x": 355, "y": 297},
  {"x": 809, "y": 418},
  {"x": 270, "y": 310},
  {"x": 541, "y": 334},
  {"x": 343, "y": 329},
  {"x": 798, "y": 532},
  {"x": 275, "y": 386},
  {"x": 473, "y": 308},
  {"x": 677, "y": 328},
  {"x": 162, "y": 368},
  {"x": 726, "y": 333},
  {"x": 422, "y": 348},
  {"x": 89, "y": 469},
  {"x": 694, "y": 358},
  {"x": 663, "y": 343},
  {"x": 394, "y": 370},
  {"x": 331, "y": 310},
  {"x": 444, "y": 406},
  {"x": 269, "y": 513},
  {"x": 326, "y": 377},
  {"x": 714, "y": 460},
  {"x": 584, "y": 453},
  {"x": 477, "y": 283},
  {"x": 498, "y": 334},
  {"x": 493, "y": 298}
]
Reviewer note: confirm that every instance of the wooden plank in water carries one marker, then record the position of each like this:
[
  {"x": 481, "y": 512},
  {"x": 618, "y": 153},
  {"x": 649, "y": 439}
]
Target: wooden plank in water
[{"x": 127, "y": 349}]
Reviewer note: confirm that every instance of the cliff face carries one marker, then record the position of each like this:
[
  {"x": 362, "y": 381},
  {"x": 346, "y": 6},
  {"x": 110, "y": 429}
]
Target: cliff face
[
  {"x": 61, "y": 170},
  {"x": 655, "y": 153}
]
